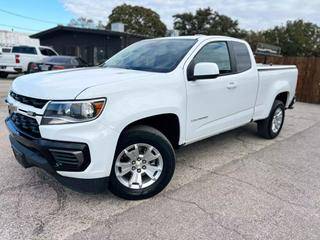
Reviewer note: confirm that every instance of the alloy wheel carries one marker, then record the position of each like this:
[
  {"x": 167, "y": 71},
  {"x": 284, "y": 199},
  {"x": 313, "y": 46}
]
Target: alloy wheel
[{"x": 138, "y": 166}]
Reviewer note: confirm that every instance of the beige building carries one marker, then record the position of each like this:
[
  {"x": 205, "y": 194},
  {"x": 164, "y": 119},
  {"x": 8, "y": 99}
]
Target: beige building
[{"x": 8, "y": 39}]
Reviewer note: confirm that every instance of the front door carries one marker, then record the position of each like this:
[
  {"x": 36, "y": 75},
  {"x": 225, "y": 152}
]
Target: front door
[{"x": 222, "y": 103}]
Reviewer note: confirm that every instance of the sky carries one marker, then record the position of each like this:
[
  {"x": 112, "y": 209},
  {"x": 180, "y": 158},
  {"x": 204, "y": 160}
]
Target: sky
[{"x": 251, "y": 14}]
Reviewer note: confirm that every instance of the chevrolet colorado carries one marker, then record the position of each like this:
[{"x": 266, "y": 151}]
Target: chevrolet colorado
[{"x": 117, "y": 125}]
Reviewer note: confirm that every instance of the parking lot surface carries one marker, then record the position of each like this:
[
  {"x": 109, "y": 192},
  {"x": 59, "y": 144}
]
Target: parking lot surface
[{"x": 232, "y": 186}]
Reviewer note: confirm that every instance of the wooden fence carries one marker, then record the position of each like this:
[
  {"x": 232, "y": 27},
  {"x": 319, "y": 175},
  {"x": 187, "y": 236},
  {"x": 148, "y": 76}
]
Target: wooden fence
[{"x": 308, "y": 87}]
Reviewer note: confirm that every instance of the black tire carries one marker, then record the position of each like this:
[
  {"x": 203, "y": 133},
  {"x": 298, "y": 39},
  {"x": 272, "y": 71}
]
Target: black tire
[
  {"x": 29, "y": 69},
  {"x": 3, "y": 75},
  {"x": 153, "y": 137},
  {"x": 265, "y": 126}
]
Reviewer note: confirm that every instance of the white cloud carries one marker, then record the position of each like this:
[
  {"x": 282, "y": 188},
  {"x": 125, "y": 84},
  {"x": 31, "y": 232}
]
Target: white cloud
[{"x": 251, "y": 14}]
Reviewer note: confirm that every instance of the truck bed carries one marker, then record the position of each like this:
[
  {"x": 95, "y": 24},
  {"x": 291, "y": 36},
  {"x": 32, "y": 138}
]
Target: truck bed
[
  {"x": 270, "y": 77},
  {"x": 269, "y": 67}
]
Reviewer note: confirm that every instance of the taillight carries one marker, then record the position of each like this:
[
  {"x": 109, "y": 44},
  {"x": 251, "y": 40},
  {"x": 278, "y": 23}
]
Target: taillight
[
  {"x": 57, "y": 67},
  {"x": 17, "y": 58}
]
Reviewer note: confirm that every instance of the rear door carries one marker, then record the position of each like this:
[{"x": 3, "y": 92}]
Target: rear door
[{"x": 216, "y": 105}]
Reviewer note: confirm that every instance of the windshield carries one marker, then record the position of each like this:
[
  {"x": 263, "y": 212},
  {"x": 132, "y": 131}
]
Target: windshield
[{"x": 162, "y": 55}]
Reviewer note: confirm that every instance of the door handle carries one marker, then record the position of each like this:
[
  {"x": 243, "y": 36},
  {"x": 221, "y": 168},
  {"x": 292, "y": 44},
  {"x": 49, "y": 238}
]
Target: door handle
[{"x": 232, "y": 85}]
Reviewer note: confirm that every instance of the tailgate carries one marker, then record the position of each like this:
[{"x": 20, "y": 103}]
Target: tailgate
[{"x": 7, "y": 59}]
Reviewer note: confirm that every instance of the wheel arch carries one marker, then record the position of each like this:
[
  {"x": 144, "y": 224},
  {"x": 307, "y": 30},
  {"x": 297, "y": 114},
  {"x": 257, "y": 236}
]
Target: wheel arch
[
  {"x": 283, "y": 97},
  {"x": 280, "y": 91},
  {"x": 167, "y": 123}
]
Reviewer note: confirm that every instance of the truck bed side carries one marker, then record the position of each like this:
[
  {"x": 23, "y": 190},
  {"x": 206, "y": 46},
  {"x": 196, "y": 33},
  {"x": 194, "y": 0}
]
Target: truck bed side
[{"x": 274, "y": 80}]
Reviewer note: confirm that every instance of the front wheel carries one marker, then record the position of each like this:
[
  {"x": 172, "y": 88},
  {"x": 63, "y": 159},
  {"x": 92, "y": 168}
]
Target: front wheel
[
  {"x": 270, "y": 127},
  {"x": 144, "y": 164}
]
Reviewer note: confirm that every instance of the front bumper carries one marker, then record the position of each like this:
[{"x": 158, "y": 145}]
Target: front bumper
[
  {"x": 99, "y": 135},
  {"x": 51, "y": 156}
]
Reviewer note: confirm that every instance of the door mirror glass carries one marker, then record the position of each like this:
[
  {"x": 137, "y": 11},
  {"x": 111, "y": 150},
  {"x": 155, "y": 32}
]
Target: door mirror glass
[{"x": 205, "y": 70}]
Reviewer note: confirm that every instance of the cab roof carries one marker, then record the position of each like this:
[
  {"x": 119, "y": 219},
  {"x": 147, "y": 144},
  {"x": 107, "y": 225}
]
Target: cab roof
[{"x": 202, "y": 37}]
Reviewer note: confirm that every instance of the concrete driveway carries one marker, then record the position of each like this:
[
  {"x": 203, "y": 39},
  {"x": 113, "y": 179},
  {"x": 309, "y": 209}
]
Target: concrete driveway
[{"x": 232, "y": 186}]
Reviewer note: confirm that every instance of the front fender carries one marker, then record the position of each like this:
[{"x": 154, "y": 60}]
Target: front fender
[{"x": 127, "y": 103}]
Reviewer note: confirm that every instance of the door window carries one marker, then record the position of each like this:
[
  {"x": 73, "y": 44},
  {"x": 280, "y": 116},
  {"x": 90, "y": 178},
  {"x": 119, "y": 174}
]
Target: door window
[{"x": 215, "y": 52}]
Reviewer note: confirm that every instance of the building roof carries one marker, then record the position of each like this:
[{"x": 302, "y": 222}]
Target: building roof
[{"x": 83, "y": 30}]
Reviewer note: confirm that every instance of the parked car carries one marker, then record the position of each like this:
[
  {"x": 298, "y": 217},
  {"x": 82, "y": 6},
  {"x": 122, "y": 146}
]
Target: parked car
[
  {"x": 21, "y": 57},
  {"x": 117, "y": 125},
  {"x": 58, "y": 63}
]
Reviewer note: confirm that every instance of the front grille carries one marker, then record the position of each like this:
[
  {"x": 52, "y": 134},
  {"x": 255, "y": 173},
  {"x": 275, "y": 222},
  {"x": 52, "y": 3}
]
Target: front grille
[
  {"x": 26, "y": 124},
  {"x": 37, "y": 103}
]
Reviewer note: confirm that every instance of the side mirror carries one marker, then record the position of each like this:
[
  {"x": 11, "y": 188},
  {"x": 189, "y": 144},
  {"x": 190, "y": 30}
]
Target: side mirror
[{"x": 205, "y": 70}]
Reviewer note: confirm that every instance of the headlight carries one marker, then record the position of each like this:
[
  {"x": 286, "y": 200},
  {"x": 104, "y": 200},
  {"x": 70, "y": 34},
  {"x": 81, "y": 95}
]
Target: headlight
[{"x": 61, "y": 112}]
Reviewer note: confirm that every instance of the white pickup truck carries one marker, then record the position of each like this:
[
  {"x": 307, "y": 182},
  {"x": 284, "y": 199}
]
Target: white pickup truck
[
  {"x": 117, "y": 125},
  {"x": 20, "y": 58}
]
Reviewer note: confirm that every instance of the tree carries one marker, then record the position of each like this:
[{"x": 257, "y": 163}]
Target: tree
[
  {"x": 253, "y": 38},
  {"x": 138, "y": 20},
  {"x": 206, "y": 21},
  {"x": 100, "y": 25},
  {"x": 297, "y": 38},
  {"x": 82, "y": 22}
]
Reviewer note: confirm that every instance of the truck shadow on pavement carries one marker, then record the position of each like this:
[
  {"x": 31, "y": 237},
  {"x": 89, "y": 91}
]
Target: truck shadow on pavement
[{"x": 213, "y": 152}]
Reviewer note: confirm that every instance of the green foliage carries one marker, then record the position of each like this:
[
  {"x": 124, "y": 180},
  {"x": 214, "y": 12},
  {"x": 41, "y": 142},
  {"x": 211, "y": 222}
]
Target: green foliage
[
  {"x": 206, "y": 21},
  {"x": 82, "y": 22},
  {"x": 296, "y": 38},
  {"x": 138, "y": 20}
]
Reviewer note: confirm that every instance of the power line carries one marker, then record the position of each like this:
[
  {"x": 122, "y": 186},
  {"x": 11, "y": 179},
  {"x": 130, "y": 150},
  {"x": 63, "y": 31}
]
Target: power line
[
  {"x": 27, "y": 17},
  {"x": 22, "y": 28}
]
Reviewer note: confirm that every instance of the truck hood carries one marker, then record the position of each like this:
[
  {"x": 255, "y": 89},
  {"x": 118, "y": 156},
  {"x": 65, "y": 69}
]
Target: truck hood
[{"x": 67, "y": 84}]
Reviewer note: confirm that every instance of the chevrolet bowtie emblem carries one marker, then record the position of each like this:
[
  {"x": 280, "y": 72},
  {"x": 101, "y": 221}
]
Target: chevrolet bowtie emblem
[{"x": 32, "y": 114}]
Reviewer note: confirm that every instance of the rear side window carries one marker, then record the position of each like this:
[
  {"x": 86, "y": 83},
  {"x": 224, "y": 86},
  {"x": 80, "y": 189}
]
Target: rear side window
[
  {"x": 47, "y": 52},
  {"x": 24, "y": 50},
  {"x": 215, "y": 52},
  {"x": 243, "y": 60}
]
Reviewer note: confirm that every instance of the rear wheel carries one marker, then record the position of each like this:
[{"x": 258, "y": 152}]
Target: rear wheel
[
  {"x": 32, "y": 68},
  {"x": 144, "y": 164},
  {"x": 3, "y": 75},
  {"x": 270, "y": 127}
]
